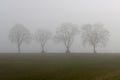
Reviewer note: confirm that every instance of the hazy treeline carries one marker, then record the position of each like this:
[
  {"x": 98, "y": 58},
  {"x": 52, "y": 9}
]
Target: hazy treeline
[{"x": 94, "y": 35}]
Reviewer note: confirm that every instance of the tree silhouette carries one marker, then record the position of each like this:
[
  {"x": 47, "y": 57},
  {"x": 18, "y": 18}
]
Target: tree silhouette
[
  {"x": 65, "y": 34},
  {"x": 95, "y": 35},
  {"x": 42, "y": 36},
  {"x": 19, "y": 35}
]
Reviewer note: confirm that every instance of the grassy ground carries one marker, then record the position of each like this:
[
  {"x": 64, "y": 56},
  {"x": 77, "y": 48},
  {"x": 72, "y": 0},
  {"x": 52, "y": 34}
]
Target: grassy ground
[{"x": 60, "y": 67}]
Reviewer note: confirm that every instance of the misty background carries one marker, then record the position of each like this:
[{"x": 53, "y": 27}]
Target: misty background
[{"x": 50, "y": 14}]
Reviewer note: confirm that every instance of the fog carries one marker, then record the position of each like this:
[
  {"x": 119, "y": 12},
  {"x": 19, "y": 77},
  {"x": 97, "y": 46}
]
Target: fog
[{"x": 50, "y": 14}]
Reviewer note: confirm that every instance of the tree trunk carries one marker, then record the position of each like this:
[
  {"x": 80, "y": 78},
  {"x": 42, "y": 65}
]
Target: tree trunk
[
  {"x": 43, "y": 50},
  {"x": 68, "y": 50},
  {"x": 19, "y": 48},
  {"x": 94, "y": 49}
]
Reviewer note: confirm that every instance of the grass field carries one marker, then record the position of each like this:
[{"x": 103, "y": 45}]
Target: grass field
[{"x": 60, "y": 67}]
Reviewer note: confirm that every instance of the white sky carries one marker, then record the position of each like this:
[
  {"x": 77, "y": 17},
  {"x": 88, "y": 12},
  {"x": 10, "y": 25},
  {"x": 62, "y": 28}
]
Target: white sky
[{"x": 50, "y": 14}]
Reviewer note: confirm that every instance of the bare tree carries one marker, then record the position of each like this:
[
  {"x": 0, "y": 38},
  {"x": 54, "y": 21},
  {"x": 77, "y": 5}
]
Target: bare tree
[
  {"x": 66, "y": 34},
  {"x": 19, "y": 35},
  {"x": 42, "y": 36},
  {"x": 95, "y": 35}
]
